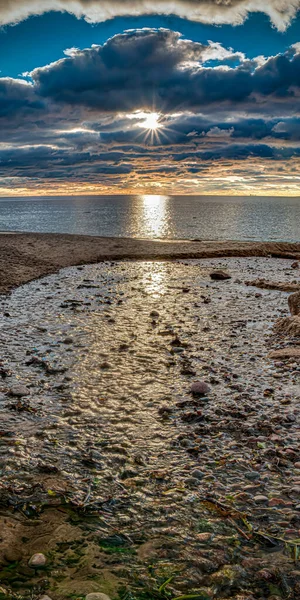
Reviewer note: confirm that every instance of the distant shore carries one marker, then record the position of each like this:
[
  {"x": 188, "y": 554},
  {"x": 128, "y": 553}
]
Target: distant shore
[{"x": 28, "y": 256}]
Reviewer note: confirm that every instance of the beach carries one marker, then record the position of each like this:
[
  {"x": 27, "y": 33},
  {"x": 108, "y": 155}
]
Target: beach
[
  {"x": 112, "y": 468},
  {"x": 27, "y": 256}
]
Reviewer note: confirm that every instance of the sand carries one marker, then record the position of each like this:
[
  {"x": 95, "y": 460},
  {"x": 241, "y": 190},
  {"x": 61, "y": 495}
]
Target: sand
[{"x": 28, "y": 256}]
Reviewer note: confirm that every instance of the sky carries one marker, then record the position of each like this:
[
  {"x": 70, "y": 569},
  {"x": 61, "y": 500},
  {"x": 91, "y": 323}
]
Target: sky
[{"x": 149, "y": 96}]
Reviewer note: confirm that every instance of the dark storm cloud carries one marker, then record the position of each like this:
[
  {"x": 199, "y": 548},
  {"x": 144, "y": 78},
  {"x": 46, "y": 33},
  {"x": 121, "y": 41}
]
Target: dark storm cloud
[
  {"x": 141, "y": 68},
  {"x": 281, "y": 12},
  {"x": 17, "y": 98}
]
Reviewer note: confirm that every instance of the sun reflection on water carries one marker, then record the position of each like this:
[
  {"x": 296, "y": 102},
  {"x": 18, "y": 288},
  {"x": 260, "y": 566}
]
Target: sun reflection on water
[
  {"x": 155, "y": 278},
  {"x": 154, "y": 215}
]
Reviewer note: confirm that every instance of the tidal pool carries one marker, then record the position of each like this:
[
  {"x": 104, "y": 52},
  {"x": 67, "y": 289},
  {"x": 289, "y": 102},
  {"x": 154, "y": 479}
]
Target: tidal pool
[{"x": 106, "y": 424}]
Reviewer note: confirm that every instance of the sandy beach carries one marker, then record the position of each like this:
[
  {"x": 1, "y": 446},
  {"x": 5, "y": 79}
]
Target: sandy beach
[{"x": 27, "y": 256}]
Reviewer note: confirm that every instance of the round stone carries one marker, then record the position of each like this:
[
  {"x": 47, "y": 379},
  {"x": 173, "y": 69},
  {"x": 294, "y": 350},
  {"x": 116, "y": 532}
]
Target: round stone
[
  {"x": 260, "y": 499},
  {"x": 37, "y": 561},
  {"x": 200, "y": 388},
  {"x": 18, "y": 391},
  {"x": 197, "y": 474}
]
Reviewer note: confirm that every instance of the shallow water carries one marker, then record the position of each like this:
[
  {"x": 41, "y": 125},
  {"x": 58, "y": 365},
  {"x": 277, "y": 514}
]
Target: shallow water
[
  {"x": 117, "y": 429},
  {"x": 157, "y": 216}
]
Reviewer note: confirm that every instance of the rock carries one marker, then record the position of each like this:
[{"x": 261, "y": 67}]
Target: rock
[
  {"x": 197, "y": 474},
  {"x": 37, "y": 560},
  {"x": 204, "y": 537},
  {"x": 260, "y": 499},
  {"x": 45, "y": 597},
  {"x": 295, "y": 265},
  {"x": 68, "y": 340},
  {"x": 252, "y": 475},
  {"x": 13, "y": 555},
  {"x": 294, "y": 304},
  {"x": 97, "y": 596},
  {"x": 219, "y": 275},
  {"x": 200, "y": 388},
  {"x": 290, "y": 326},
  {"x": 18, "y": 391},
  {"x": 285, "y": 353}
]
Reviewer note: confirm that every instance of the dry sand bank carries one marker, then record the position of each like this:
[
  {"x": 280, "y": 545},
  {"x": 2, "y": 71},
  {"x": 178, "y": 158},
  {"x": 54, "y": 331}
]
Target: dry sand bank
[{"x": 27, "y": 256}]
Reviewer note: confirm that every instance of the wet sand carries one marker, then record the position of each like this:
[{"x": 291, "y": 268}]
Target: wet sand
[
  {"x": 28, "y": 256},
  {"x": 115, "y": 471}
]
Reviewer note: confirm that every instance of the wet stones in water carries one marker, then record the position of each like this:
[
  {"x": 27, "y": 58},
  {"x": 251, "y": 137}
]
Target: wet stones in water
[
  {"x": 219, "y": 275},
  {"x": 199, "y": 388},
  {"x": 18, "y": 391},
  {"x": 37, "y": 561}
]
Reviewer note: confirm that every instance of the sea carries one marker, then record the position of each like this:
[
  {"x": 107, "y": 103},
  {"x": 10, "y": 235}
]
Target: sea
[{"x": 156, "y": 216}]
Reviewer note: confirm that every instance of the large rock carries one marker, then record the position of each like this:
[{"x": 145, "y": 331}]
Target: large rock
[
  {"x": 289, "y": 327},
  {"x": 219, "y": 275},
  {"x": 294, "y": 304},
  {"x": 286, "y": 354}
]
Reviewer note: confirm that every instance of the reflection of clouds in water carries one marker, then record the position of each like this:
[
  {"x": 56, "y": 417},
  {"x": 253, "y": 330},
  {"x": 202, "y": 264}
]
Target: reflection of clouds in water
[{"x": 154, "y": 215}]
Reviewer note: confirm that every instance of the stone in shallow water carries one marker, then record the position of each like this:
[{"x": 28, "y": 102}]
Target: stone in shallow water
[
  {"x": 37, "y": 560},
  {"x": 200, "y": 388},
  {"x": 18, "y": 391},
  {"x": 219, "y": 275}
]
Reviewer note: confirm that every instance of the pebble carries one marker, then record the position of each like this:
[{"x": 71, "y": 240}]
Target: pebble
[
  {"x": 200, "y": 388},
  {"x": 13, "y": 555},
  {"x": 18, "y": 391},
  {"x": 37, "y": 560},
  {"x": 252, "y": 475},
  {"x": 260, "y": 498},
  {"x": 197, "y": 474}
]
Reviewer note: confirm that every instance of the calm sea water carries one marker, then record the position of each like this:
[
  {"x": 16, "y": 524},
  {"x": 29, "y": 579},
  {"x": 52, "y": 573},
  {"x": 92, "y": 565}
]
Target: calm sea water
[{"x": 203, "y": 217}]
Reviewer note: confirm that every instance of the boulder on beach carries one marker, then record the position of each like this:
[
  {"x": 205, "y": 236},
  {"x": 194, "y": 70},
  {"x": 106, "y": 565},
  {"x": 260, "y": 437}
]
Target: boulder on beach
[
  {"x": 219, "y": 275},
  {"x": 288, "y": 327},
  {"x": 294, "y": 304}
]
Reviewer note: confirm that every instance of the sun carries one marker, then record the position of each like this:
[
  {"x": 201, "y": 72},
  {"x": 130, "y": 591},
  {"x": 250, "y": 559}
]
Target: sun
[{"x": 151, "y": 121}]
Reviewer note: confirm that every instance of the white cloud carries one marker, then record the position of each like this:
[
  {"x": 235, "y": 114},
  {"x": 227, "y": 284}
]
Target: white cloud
[{"x": 281, "y": 12}]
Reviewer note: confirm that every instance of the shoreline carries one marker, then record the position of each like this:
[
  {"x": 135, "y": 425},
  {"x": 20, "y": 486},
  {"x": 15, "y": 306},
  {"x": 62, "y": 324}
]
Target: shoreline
[
  {"x": 28, "y": 256},
  {"x": 109, "y": 460}
]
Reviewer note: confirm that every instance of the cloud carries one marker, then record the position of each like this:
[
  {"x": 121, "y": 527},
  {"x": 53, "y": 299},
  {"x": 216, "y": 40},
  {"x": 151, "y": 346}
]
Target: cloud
[
  {"x": 281, "y": 12},
  {"x": 17, "y": 97},
  {"x": 77, "y": 122},
  {"x": 140, "y": 68}
]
